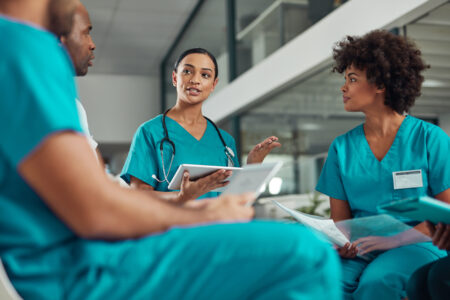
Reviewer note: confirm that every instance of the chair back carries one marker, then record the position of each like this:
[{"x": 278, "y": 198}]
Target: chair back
[{"x": 7, "y": 291}]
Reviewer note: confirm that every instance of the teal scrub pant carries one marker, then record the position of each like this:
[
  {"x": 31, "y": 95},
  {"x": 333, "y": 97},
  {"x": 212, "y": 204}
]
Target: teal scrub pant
[
  {"x": 256, "y": 260},
  {"x": 431, "y": 282},
  {"x": 386, "y": 276}
]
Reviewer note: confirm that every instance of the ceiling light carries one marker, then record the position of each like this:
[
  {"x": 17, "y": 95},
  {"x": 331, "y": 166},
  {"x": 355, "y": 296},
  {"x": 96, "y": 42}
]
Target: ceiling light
[{"x": 432, "y": 83}]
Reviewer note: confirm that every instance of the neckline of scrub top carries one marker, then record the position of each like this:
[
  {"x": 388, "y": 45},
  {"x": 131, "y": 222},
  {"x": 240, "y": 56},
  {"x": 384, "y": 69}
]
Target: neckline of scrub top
[
  {"x": 187, "y": 132},
  {"x": 391, "y": 148}
]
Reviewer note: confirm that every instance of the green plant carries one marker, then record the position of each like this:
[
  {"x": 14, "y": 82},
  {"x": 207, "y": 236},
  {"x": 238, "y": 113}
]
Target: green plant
[{"x": 311, "y": 209}]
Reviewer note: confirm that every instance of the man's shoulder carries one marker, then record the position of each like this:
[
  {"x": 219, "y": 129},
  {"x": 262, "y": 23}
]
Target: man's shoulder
[
  {"x": 23, "y": 37},
  {"x": 30, "y": 45}
]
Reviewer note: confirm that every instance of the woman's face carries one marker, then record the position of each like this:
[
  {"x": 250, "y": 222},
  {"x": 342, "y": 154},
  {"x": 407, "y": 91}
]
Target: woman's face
[
  {"x": 358, "y": 94},
  {"x": 194, "y": 78}
]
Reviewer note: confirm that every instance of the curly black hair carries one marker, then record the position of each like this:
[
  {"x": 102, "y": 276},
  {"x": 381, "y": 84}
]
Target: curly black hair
[{"x": 390, "y": 61}]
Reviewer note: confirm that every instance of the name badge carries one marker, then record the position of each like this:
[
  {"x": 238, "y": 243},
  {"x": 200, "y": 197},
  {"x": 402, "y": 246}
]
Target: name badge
[{"x": 407, "y": 179}]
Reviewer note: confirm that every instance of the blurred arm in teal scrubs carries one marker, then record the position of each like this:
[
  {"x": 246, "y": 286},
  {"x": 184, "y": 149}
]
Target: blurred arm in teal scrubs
[
  {"x": 68, "y": 232},
  {"x": 61, "y": 165},
  {"x": 109, "y": 211},
  {"x": 196, "y": 139},
  {"x": 382, "y": 80}
]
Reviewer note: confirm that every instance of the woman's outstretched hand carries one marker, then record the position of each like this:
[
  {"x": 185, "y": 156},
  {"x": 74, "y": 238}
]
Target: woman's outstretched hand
[
  {"x": 260, "y": 151},
  {"x": 191, "y": 190}
]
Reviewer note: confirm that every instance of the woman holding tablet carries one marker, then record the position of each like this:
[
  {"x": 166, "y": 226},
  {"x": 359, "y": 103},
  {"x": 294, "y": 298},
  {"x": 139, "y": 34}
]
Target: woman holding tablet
[
  {"x": 182, "y": 135},
  {"x": 390, "y": 156}
]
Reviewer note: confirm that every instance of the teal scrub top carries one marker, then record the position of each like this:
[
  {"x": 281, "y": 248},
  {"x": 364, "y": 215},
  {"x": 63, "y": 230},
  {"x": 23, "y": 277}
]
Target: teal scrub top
[
  {"x": 144, "y": 157},
  {"x": 352, "y": 173},
  {"x": 37, "y": 99}
]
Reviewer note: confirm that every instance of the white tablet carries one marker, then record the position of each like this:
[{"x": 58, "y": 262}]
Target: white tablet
[
  {"x": 251, "y": 178},
  {"x": 196, "y": 172}
]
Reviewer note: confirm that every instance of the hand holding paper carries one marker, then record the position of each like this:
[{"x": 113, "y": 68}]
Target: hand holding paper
[
  {"x": 371, "y": 243},
  {"x": 326, "y": 226},
  {"x": 348, "y": 251},
  {"x": 379, "y": 232}
]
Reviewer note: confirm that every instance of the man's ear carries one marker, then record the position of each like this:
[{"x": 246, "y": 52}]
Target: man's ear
[
  {"x": 63, "y": 39},
  {"x": 174, "y": 78}
]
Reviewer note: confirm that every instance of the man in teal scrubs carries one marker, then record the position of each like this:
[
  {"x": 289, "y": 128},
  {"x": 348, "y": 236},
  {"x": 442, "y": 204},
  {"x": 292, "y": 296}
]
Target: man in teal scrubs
[
  {"x": 67, "y": 232},
  {"x": 80, "y": 46}
]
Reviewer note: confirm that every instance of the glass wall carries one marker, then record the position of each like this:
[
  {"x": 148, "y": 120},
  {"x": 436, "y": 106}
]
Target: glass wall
[
  {"x": 262, "y": 27},
  {"x": 432, "y": 35},
  {"x": 305, "y": 117},
  {"x": 309, "y": 114},
  {"x": 241, "y": 33}
]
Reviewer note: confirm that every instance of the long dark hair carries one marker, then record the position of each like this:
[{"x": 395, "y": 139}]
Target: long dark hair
[{"x": 199, "y": 51}]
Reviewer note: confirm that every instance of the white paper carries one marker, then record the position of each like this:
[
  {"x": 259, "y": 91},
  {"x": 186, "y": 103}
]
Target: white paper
[{"x": 325, "y": 226}]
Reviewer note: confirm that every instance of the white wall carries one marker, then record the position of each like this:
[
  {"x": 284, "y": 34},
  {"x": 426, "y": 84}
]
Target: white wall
[{"x": 117, "y": 105}]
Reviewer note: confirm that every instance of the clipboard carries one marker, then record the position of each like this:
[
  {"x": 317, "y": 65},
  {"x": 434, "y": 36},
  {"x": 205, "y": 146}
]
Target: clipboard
[
  {"x": 419, "y": 209},
  {"x": 196, "y": 172}
]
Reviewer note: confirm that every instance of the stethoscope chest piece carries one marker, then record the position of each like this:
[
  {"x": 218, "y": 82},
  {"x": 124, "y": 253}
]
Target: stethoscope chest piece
[{"x": 230, "y": 155}]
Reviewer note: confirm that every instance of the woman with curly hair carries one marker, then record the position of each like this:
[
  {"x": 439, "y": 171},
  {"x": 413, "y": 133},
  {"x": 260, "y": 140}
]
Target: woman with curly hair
[{"x": 390, "y": 156}]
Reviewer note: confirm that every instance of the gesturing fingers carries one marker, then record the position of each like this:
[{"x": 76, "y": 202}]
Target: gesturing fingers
[{"x": 269, "y": 144}]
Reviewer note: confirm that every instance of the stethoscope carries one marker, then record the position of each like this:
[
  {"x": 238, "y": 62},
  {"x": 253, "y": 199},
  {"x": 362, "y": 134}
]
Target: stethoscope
[{"x": 228, "y": 152}]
